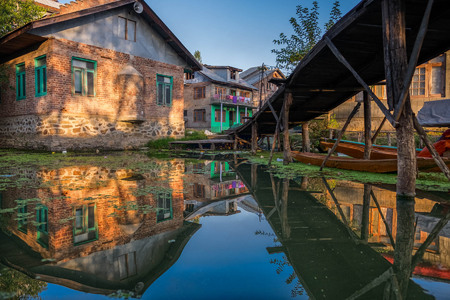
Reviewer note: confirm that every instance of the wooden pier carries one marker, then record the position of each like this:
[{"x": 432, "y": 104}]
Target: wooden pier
[{"x": 210, "y": 144}]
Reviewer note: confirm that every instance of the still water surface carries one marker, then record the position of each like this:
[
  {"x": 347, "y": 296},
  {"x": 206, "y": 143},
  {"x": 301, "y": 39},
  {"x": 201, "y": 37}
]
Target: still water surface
[{"x": 206, "y": 229}]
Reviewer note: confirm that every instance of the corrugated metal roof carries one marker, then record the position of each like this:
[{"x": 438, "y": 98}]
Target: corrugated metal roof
[
  {"x": 216, "y": 78},
  {"x": 50, "y": 3}
]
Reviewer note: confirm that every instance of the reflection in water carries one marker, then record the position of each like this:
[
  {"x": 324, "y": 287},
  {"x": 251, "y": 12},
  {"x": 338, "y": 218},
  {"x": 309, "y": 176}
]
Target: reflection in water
[{"x": 100, "y": 230}]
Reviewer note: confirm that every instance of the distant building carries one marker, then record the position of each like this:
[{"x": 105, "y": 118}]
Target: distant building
[
  {"x": 260, "y": 78},
  {"x": 431, "y": 81},
  {"x": 216, "y": 98},
  {"x": 95, "y": 74}
]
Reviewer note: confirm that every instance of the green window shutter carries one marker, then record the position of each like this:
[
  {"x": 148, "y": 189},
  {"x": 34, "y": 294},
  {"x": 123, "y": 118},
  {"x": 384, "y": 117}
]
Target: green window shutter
[
  {"x": 164, "y": 85},
  {"x": 20, "y": 82},
  {"x": 40, "y": 72}
]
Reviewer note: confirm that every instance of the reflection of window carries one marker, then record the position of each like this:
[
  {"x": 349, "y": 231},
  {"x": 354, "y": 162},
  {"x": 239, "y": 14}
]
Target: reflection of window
[
  {"x": 20, "y": 82},
  {"x": 42, "y": 226},
  {"x": 164, "y": 206},
  {"x": 127, "y": 29},
  {"x": 199, "y": 190},
  {"x": 199, "y": 92},
  {"x": 217, "y": 115},
  {"x": 198, "y": 168},
  {"x": 83, "y": 76},
  {"x": 164, "y": 90},
  {"x": 199, "y": 115},
  {"x": 22, "y": 218},
  {"x": 40, "y": 74},
  {"x": 127, "y": 265},
  {"x": 86, "y": 228}
]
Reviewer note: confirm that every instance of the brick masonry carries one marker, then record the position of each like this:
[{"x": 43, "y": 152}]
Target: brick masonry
[{"x": 122, "y": 115}]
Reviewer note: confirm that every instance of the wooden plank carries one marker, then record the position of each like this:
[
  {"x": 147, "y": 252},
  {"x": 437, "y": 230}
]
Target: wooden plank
[
  {"x": 414, "y": 57},
  {"x": 341, "y": 58},
  {"x": 341, "y": 133}
]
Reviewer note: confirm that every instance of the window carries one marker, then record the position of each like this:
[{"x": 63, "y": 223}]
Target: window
[
  {"x": 127, "y": 29},
  {"x": 20, "y": 82},
  {"x": 164, "y": 206},
  {"x": 85, "y": 227},
  {"x": 245, "y": 94},
  {"x": 418, "y": 83},
  {"x": 42, "y": 225},
  {"x": 217, "y": 115},
  {"x": 188, "y": 75},
  {"x": 185, "y": 113},
  {"x": 199, "y": 190},
  {"x": 199, "y": 92},
  {"x": 22, "y": 218},
  {"x": 199, "y": 115},
  {"x": 84, "y": 73},
  {"x": 40, "y": 75},
  {"x": 233, "y": 75},
  {"x": 127, "y": 265},
  {"x": 233, "y": 93},
  {"x": 220, "y": 92},
  {"x": 164, "y": 90}
]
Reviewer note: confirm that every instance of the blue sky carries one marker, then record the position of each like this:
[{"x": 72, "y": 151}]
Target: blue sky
[{"x": 236, "y": 33}]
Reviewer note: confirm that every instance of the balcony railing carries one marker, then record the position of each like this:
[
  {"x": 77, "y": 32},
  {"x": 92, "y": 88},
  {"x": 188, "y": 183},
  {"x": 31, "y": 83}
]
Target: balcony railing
[{"x": 229, "y": 99}]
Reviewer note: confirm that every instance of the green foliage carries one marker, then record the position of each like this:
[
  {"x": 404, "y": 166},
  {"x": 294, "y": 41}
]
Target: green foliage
[
  {"x": 15, "y": 14},
  {"x": 198, "y": 56},
  {"x": 306, "y": 35},
  {"x": 16, "y": 285},
  {"x": 194, "y": 135}
]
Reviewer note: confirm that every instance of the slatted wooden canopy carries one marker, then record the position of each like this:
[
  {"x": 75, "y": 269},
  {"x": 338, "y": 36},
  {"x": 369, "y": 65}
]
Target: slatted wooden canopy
[{"x": 320, "y": 82}]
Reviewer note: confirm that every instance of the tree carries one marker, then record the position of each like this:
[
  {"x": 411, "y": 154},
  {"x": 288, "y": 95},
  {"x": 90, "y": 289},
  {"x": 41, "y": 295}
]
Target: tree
[
  {"x": 306, "y": 35},
  {"x": 198, "y": 56},
  {"x": 15, "y": 14}
]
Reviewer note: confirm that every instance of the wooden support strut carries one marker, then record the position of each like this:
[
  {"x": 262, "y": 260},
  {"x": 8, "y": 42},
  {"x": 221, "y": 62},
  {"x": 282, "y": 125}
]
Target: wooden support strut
[
  {"x": 413, "y": 61},
  {"x": 388, "y": 230},
  {"x": 423, "y": 135},
  {"x": 342, "y": 59},
  {"x": 350, "y": 117},
  {"x": 374, "y": 137},
  {"x": 276, "y": 135},
  {"x": 367, "y": 126},
  {"x": 287, "y": 146}
]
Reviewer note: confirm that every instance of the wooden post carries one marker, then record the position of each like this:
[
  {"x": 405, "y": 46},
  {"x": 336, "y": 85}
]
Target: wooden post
[
  {"x": 395, "y": 60},
  {"x": 388, "y": 230},
  {"x": 365, "y": 224},
  {"x": 306, "y": 144},
  {"x": 367, "y": 126},
  {"x": 254, "y": 137},
  {"x": 275, "y": 138},
  {"x": 350, "y": 117},
  {"x": 286, "y": 140},
  {"x": 389, "y": 140},
  {"x": 235, "y": 144},
  {"x": 423, "y": 135},
  {"x": 285, "y": 228}
]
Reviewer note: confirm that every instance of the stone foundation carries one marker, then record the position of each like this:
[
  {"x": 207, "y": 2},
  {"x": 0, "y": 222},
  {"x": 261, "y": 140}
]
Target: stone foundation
[{"x": 75, "y": 132}]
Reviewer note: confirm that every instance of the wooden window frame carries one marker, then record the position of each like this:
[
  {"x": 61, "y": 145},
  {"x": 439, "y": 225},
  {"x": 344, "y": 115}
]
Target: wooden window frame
[
  {"x": 42, "y": 227},
  {"x": 165, "y": 102},
  {"x": 22, "y": 219},
  {"x": 166, "y": 196},
  {"x": 221, "y": 91},
  {"x": 21, "y": 82},
  {"x": 217, "y": 114},
  {"x": 203, "y": 115},
  {"x": 200, "y": 92},
  {"x": 84, "y": 82},
  {"x": 428, "y": 80},
  {"x": 85, "y": 223},
  {"x": 125, "y": 36},
  {"x": 41, "y": 73}
]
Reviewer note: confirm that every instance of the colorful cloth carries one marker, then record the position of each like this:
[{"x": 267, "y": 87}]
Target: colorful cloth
[{"x": 441, "y": 146}]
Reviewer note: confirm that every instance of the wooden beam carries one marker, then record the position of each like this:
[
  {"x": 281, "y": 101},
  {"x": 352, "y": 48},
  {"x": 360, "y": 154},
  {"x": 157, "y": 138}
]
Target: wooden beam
[
  {"x": 254, "y": 137},
  {"x": 286, "y": 141},
  {"x": 367, "y": 126},
  {"x": 388, "y": 230},
  {"x": 342, "y": 59},
  {"x": 275, "y": 137},
  {"x": 413, "y": 61},
  {"x": 374, "y": 137},
  {"x": 341, "y": 133},
  {"x": 423, "y": 135},
  {"x": 273, "y": 111},
  {"x": 306, "y": 144}
]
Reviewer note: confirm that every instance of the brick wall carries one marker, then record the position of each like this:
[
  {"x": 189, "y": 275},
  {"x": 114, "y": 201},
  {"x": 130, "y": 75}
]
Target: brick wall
[{"x": 60, "y": 120}]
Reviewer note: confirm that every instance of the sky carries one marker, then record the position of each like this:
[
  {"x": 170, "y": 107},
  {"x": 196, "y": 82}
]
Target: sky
[{"x": 237, "y": 33}]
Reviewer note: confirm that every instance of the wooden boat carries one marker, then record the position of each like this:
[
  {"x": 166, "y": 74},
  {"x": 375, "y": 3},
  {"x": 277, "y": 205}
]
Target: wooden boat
[
  {"x": 357, "y": 151},
  {"x": 349, "y": 163}
]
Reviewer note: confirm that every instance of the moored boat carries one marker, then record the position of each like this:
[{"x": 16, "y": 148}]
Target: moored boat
[
  {"x": 365, "y": 165},
  {"x": 357, "y": 151}
]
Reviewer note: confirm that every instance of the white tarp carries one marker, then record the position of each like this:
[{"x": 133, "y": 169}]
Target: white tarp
[{"x": 435, "y": 114}]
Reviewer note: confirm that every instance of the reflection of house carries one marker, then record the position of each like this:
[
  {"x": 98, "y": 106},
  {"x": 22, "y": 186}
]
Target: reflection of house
[
  {"x": 208, "y": 182},
  {"x": 97, "y": 74},
  {"x": 350, "y": 196},
  {"x": 216, "y": 98},
  {"x": 430, "y": 82},
  {"x": 105, "y": 229},
  {"x": 260, "y": 79}
]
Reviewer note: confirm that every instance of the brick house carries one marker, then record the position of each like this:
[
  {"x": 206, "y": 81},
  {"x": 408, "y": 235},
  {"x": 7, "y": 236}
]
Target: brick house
[
  {"x": 102, "y": 74},
  {"x": 431, "y": 81},
  {"x": 97, "y": 229},
  {"x": 262, "y": 80},
  {"x": 216, "y": 98}
]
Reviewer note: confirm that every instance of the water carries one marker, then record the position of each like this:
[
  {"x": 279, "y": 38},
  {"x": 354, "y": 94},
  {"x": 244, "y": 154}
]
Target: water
[{"x": 125, "y": 225}]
